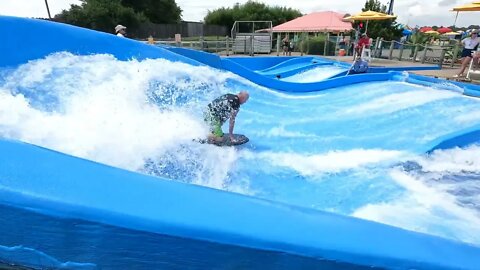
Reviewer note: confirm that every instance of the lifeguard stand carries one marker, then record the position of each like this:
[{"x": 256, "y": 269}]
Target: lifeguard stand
[{"x": 251, "y": 37}]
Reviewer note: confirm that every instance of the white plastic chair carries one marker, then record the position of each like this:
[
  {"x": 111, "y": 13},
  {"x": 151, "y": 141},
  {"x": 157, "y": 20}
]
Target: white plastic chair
[
  {"x": 366, "y": 54},
  {"x": 471, "y": 70}
]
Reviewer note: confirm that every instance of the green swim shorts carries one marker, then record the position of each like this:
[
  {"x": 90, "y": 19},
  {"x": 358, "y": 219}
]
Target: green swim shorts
[{"x": 215, "y": 124}]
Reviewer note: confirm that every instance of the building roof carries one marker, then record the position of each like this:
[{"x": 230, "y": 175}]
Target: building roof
[{"x": 325, "y": 21}]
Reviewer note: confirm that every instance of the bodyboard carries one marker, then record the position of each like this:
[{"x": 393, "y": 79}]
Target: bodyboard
[{"x": 239, "y": 139}]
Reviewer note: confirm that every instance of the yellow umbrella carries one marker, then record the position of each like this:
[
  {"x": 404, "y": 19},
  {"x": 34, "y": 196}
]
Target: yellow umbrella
[
  {"x": 452, "y": 33},
  {"x": 432, "y": 32},
  {"x": 369, "y": 15},
  {"x": 475, "y": 6}
]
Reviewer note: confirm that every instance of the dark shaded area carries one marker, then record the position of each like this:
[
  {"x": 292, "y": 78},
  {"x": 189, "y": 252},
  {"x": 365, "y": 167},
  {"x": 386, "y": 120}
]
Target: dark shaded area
[{"x": 116, "y": 248}]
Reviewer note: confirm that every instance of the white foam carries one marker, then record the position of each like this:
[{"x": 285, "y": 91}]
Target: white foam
[
  {"x": 102, "y": 110},
  {"x": 452, "y": 160},
  {"x": 425, "y": 208},
  {"x": 315, "y": 75},
  {"x": 282, "y": 133},
  {"x": 440, "y": 197},
  {"x": 400, "y": 101},
  {"x": 287, "y": 95},
  {"x": 330, "y": 162},
  {"x": 468, "y": 117}
]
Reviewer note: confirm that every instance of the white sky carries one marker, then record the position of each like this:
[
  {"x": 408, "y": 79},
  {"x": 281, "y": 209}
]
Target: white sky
[{"x": 413, "y": 12}]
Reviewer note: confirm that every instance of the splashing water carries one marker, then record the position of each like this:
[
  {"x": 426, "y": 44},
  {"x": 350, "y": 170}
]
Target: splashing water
[
  {"x": 315, "y": 74},
  {"x": 355, "y": 150}
]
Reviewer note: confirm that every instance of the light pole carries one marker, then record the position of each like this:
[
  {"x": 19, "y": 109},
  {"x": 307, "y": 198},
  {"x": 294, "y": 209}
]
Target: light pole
[
  {"x": 48, "y": 10},
  {"x": 390, "y": 7}
]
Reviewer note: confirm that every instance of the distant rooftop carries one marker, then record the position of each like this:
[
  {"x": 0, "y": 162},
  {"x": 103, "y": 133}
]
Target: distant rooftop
[{"x": 324, "y": 21}]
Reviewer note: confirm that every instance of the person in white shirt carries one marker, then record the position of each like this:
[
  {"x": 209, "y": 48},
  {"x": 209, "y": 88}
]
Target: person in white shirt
[
  {"x": 470, "y": 44},
  {"x": 120, "y": 30}
]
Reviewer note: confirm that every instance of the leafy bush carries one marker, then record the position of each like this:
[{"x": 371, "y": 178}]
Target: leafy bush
[{"x": 316, "y": 46}]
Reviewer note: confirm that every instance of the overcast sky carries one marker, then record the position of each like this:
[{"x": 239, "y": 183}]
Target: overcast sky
[{"x": 412, "y": 12}]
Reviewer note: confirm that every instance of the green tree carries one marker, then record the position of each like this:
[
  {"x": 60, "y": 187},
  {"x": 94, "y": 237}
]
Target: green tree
[
  {"x": 100, "y": 15},
  {"x": 388, "y": 29},
  {"x": 251, "y": 11},
  {"x": 157, "y": 11}
]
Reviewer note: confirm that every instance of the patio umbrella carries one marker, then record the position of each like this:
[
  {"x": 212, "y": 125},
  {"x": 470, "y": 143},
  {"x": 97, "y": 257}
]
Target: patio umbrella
[
  {"x": 432, "y": 32},
  {"x": 452, "y": 33},
  {"x": 443, "y": 30},
  {"x": 475, "y": 6},
  {"x": 425, "y": 29},
  {"x": 370, "y": 16}
]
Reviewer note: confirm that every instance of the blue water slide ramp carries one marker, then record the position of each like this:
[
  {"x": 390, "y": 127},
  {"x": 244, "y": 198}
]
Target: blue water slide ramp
[
  {"x": 269, "y": 71},
  {"x": 30, "y": 39},
  {"x": 65, "y": 187},
  {"x": 293, "y": 66},
  {"x": 297, "y": 65}
]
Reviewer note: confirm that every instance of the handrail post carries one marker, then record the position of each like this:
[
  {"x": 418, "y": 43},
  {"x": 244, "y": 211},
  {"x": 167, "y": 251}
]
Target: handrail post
[
  {"x": 415, "y": 53},
  {"x": 278, "y": 44},
  {"x": 442, "y": 57},
  {"x": 390, "y": 53},
  {"x": 401, "y": 51},
  {"x": 424, "y": 55},
  {"x": 302, "y": 44},
  {"x": 226, "y": 44},
  {"x": 377, "y": 44},
  {"x": 252, "y": 40},
  {"x": 245, "y": 45},
  {"x": 454, "y": 56},
  {"x": 325, "y": 44}
]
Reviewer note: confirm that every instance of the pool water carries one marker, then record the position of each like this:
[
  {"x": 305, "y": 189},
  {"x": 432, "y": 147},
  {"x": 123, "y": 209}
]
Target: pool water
[{"x": 315, "y": 74}]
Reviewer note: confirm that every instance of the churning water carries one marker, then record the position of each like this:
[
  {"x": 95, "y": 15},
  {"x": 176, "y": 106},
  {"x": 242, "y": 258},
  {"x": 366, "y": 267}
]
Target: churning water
[{"x": 356, "y": 150}]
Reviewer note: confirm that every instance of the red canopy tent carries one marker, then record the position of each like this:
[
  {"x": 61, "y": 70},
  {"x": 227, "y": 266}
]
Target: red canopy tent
[{"x": 325, "y": 21}]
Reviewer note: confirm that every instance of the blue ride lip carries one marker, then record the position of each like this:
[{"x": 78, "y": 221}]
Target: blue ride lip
[{"x": 133, "y": 202}]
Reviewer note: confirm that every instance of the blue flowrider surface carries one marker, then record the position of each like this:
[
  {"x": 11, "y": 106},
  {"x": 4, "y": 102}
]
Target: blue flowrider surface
[{"x": 98, "y": 169}]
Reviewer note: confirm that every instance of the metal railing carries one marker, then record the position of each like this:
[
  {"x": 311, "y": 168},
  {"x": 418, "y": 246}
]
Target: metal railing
[
  {"x": 439, "y": 54},
  {"x": 223, "y": 46},
  {"x": 219, "y": 46}
]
